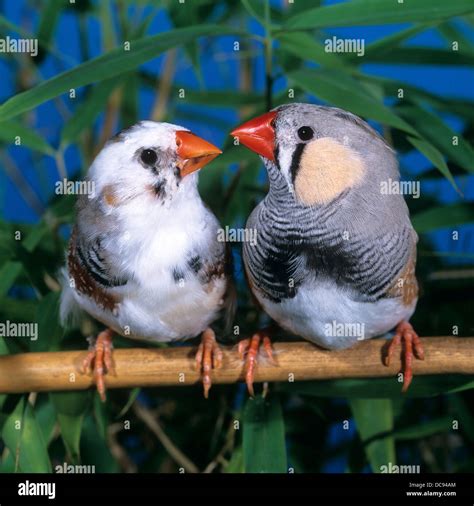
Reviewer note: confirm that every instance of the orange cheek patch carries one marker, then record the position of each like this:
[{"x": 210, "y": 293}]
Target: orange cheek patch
[
  {"x": 327, "y": 168},
  {"x": 110, "y": 196}
]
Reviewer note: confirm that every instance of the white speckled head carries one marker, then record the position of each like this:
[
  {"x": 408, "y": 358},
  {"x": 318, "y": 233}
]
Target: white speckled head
[{"x": 145, "y": 160}]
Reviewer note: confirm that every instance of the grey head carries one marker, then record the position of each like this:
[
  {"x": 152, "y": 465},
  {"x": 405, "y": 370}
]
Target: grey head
[{"x": 318, "y": 156}]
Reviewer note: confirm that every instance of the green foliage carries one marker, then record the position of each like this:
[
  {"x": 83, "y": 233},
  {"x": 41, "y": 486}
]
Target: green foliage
[
  {"x": 264, "y": 436},
  {"x": 104, "y": 67},
  {"x": 289, "y": 428},
  {"x": 377, "y": 12},
  {"x": 375, "y": 388},
  {"x": 71, "y": 408},
  {"x": 49, "y": 328},
  {"x": 340, "y": 89},
  {"x": 374, "y": 419},
  {"x": 24, "y": 439}
]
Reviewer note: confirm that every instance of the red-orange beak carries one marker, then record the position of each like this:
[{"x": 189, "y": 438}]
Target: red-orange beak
[
  {"x": 258, "y": 135},
  {"x": 193, "y": 152}
]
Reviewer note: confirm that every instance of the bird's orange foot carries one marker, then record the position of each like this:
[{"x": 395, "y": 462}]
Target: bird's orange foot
[
  {"x": 99, "y": 359},
  {"x": 208, "y": 357},
  {"x": 248, "y": 350},
  {"x": 411, "y": 347}
]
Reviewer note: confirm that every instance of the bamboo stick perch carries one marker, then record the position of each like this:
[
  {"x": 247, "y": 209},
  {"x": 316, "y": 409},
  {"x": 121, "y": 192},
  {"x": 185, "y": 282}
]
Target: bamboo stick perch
[{"x": 50, "y": 371}]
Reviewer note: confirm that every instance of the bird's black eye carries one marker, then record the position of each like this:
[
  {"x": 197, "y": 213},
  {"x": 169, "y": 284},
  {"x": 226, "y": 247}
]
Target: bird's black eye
[
  {"x": 305, "y": 133},
  {"x": 148, "y": 157}
]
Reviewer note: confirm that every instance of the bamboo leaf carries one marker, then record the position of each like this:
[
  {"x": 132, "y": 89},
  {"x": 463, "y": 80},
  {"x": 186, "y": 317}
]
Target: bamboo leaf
[
  {"x": 95, "y": 450},
  {"x": 381, "y": 46},
  {"x": 443, "y": 217},
  {"x": 71, "y": 408},
  {"x": 8, "y": 274},
  {"x": 100, "y": 415},
  {"x": 34, "y": 236},
  {"x": 425, "y": 429},
  {"x": 462, "y": 412},
  {"x": 236, "y": 462},
  {"x": 415, "y": 94},
  {"x": 415, "y": 55},
  {"x": 376, "y": 388},
  {"x": 343, "y": 91},
  {"x": 256, "y": 9},
  {"x": 377, "y": 12},
  {"x": 50, "y": 331},
  {"x": 303, "y": 45},
  {"x": 450, "y": 33},
  {"x": 374, "y": 421},
  {"x": 129, "y": 106},
  {"x": 434, "y": 156},
  {"x": 108, "y": 65},
  {"x": 46, "y": 417},
  {"x": 438, "y": 133},
  {"x": 24, "y": 438},
  {"x": 20, "y": 310},
  {"x": 88, "y": 111},
  {"x": 11, "y": 130},
  {"x": 216, "y": 98},
  {"x": 131, "y": 399},
  {"x": 49, "y": 18},
  {"x": 264, "y": 436}
]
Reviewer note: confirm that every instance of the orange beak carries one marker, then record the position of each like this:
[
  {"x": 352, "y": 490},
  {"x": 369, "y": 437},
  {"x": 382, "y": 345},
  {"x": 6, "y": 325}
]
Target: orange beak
[
  {"x": 193, "y": 152},
  {"x": 258, "y": 135}
]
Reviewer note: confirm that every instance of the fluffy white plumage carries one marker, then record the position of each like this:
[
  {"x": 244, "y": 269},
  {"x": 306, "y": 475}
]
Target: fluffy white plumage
[{"x": 148, "y": 224}]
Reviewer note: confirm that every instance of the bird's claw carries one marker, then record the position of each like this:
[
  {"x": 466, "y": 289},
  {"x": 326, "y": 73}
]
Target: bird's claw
[
  {"x": 411, "y": 347},
  {"x": 248, "y": 350},
  {"x": 99, "y": 360},
  {"x": 209, "y": 356}
]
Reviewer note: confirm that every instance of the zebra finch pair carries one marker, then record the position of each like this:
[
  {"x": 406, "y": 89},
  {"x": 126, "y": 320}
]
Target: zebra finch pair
[{"x": 144, "y": 257}]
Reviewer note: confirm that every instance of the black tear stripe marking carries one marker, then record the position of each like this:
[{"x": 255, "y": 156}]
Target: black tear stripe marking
[
  {"x": 276, "y": 154},
  {"x": 195, "y": 263},
  {"x": 295, "y": 161},
  {"x": 158, "y": 188},
  {"x": 98, "y": 271}
]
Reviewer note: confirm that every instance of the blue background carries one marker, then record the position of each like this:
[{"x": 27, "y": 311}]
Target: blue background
[{"x": 220, "y": 74}]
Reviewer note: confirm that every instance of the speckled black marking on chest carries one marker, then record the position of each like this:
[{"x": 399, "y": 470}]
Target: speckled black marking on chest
[
  {"x": 178, "y": 275},
  {"x": 273, "y": 271},
  {"x": 195, "y": 263}
]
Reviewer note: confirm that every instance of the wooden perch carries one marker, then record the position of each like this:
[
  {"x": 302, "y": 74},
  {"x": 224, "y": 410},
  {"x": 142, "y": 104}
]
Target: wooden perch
[{"x": 38, "y": 372}]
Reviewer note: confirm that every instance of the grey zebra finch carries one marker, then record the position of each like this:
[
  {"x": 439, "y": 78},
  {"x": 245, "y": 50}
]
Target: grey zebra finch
[{"x": 333, "y": 252}]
